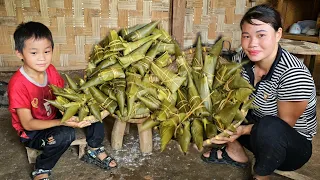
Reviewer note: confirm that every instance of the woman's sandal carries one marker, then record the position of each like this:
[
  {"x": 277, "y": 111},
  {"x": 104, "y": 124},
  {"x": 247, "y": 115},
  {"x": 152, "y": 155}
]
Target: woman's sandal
[
  {"x": 213, "y": 158},
  {"x": 40, "y": 171},
  {"x": 92, "y": 157}
]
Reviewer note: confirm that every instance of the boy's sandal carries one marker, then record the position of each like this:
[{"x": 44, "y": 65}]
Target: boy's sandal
[
  {"x": 40, "y": 171},
  {"x": 213, "y": 158},
  {"x": 92, "y": 157}
]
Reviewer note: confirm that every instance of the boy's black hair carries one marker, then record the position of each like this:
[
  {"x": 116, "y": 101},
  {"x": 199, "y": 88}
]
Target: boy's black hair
[
  {"x": 264, "y": 13},
  {"x": 29, "y": 30}
]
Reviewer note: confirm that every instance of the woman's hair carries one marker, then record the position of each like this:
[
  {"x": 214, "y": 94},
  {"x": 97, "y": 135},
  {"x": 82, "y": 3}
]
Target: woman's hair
[
  {"x": 264, "y": 13},
  {"x": 29, "y": 30}
]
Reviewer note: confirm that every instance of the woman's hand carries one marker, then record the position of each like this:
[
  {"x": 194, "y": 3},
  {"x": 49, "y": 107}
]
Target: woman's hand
[
  {"x": 233, "y": 136},
  {"x": 75, "y": 124}
]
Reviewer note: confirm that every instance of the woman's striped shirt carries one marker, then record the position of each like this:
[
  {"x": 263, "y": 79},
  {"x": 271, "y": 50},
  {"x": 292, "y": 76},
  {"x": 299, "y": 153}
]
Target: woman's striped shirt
[{"x": 287, "y": 80}]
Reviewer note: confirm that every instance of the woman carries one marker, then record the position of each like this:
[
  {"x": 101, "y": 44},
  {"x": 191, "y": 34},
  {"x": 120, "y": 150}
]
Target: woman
[{"x": 280, "y": 131}]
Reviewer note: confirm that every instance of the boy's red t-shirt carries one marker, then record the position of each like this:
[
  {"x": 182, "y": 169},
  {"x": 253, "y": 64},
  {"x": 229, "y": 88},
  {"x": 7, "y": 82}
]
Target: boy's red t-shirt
[{"x": 23, "y": 92}]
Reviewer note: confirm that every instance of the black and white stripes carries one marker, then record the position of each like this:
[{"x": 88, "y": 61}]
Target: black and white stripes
[{"x": 287, "y": 80}]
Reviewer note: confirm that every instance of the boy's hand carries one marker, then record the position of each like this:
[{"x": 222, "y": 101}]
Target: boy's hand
[{"x": 75, "y": 124}]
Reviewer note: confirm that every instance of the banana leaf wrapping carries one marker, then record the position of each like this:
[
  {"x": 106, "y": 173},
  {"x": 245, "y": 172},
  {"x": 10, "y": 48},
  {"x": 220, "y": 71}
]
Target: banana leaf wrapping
[
  {"x": 184, "y": 136},
  {"x": 97, "y": 54},
  {"x": 204, "y": 92},
  {"x": 182, "y": 100},
  {"x": 210, "y": 63},
  {"x": 225, "y": 72},
  {"x": 142, "y": 32},
  {"x": 115, "y": 42},
  {"x": 197, "y": 62},
  {"x": 149, "y": 123},
  {"x": 132, "y": 90},
  {"x": 197, "y": 132},
  {"x": 167, "y": 110},
  {"x": 56, "y": 104},
  {"x": 107, "y": 89},
  {"x": 166, "y": 47},
  {"x": 120, "y": 92},
  {"x": 83, "y": 112},
  {"x": 171, "y": 80},
  {"x": 164, "y": 60},
  {"x": 135, "y": 56},
  {"x": 151, "y": 102},
  {"x": 112, "y": 72},
  {"x": 126, "y": 31},
  {"x": 71, "y": 83},
  {"x": 70, "y": 96},
  {"x": 237, "y": 82},
  {"x": 225, "y": 116},
  {"x": 195, "y": 100},
  {"x": 95, "y": 110},
  {"x": 103, "y": 99},
  {"x": 56, "y": 89},
  {"x": 168, "y": 129},
  {"x": 166, "y": 95},
  {"x": 217, "y": 47},
  {"x": 89, "y": 70},
  {"x": 210, "y": 128},
  {"x": 164, "y": 35},
  {"x": 70, "y": 111},
  {"x": 143, "y": 65},
  {"x": 104, "y": 64},
  {"x": 183, "y": 68},
  {"x": 139, "y": 111},
  {"x": 131, "y": 46}
]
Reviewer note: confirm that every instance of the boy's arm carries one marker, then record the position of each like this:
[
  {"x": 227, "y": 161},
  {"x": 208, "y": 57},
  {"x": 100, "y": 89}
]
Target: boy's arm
[{"x": 31, "y": 124}]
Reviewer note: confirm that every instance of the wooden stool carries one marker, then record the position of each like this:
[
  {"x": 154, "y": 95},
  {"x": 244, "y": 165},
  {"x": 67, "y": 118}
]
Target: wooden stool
[
  {"x": 33, "y": 153},
  {"x": 118, "y": 131}
]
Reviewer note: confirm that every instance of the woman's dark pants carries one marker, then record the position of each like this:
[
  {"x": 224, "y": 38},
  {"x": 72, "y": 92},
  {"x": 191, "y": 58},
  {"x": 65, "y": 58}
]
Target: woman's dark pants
[{"x": 276, "y": 145}]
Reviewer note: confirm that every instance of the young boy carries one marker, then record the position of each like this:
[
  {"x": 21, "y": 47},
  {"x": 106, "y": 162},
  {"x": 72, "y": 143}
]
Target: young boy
[{"x": 33, "y": 118}]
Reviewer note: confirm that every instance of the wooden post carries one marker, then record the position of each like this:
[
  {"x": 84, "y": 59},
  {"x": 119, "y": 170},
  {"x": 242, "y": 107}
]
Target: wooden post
[
  {"x": 117, "y": 134},
  {"x": 127, "y": 130},
  {"x": 178, "y": 12},
  {"x": 145, "y": 139},
  {"x": 32, "y": 154}
]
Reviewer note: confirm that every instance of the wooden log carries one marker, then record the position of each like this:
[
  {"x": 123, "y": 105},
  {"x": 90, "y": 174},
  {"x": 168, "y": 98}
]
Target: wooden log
[
  {"x": 292, "y": 175},
  {"x": 145, "y": 139},
  {"x": 127, "y": 130},
  {"x": 117, "y": 134}
]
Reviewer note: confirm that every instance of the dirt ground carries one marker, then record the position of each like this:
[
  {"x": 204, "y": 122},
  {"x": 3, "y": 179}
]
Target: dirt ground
[{"x": 170, "y": 164}]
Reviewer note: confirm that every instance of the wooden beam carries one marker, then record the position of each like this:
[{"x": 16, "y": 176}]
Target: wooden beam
[
  {"x": 178, "y": 11},
  {"x": 292, "y": 175}
]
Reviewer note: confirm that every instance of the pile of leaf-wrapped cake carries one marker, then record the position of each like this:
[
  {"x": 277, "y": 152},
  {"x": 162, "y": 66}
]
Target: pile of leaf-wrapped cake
[{"x": 141, "y": 72}]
